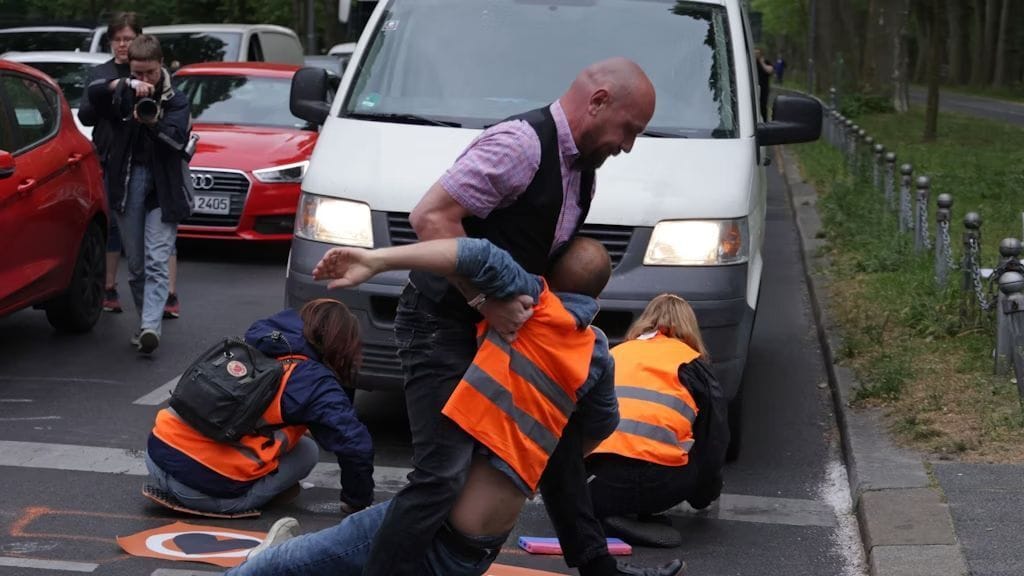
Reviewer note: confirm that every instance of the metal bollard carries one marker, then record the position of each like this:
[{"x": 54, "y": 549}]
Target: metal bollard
[
  {"x": 852, "y": 131},
  {"x": 890, "y": 180},
  {"x": 943, "y": 248},
  {"x": 971, "y": 284},
  {"x": 906, "y": 179},
  {"x": 921, "y": 240},
  {"x": 1009, "y": 328},
  {"x": 864, "y": 160},
  {"x": 1009, "y": 251},
  {"x": 876, "y": 167},
  {"x": 832, "y": 98}
]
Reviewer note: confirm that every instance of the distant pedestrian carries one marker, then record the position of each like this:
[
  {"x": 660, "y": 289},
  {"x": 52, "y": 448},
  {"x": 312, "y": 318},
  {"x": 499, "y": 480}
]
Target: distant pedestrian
[
  {"x": 764, "y": 79},
  {"x": 143, "y": 172},
  {"x": 780, "y": 68}
]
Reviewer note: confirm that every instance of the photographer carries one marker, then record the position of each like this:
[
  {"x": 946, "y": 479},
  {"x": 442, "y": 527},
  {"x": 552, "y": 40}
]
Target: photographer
[{"x": 149, "y": 125}]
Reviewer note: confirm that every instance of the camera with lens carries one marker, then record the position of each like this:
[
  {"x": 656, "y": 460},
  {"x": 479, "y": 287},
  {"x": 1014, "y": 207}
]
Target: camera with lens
[{"x": 147, "y": 109}]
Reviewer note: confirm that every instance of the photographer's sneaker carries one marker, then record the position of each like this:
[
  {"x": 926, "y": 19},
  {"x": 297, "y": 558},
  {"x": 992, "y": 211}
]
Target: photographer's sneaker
[
  {"x": 172, "y": 309},
  {"x": 283, "y": 530},
  {"x": 148, "y": 341},
  {"x": 111, "y": 302}
]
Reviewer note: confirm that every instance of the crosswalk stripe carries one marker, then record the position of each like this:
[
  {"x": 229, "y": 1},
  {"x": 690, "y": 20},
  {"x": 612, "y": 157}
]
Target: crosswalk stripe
[
  {"x": 390, "y": 479},
  {"x": 160, "y": 395},
  {"x": 47, "y": 564}
]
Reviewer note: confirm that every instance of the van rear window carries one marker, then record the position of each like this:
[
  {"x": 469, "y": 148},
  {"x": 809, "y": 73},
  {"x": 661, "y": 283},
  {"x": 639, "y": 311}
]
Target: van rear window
[{"x": 476, "y": 62}]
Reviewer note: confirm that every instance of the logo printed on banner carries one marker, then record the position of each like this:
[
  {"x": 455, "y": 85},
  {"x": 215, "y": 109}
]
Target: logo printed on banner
[{"x": 224, "y": 547}]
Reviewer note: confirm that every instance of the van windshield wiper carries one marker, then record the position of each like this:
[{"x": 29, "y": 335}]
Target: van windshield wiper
[
  {"x": 661, "y": 134},
  {"x": 404, "y": 118}
]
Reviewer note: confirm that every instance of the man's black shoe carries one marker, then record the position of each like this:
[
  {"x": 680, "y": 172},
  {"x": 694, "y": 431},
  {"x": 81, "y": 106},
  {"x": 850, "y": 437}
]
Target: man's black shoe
[{"x": 673, "y": 568}]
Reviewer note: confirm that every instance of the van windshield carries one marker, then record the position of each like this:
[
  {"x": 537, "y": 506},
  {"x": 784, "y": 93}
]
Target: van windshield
[{"x": 473, "y": 63}]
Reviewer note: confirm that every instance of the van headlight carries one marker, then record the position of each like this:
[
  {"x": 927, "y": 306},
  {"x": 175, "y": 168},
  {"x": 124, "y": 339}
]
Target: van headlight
[
  {"x": 286, "y": 173},
  {"x": 698, "y": 243},
  {"x": 334, "y": 220}
]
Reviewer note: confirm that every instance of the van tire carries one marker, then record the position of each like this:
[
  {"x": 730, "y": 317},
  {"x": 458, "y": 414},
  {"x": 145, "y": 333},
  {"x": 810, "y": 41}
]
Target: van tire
[
  {"x": 78, "y": 309},
  {"x": 732, "y": 453}
]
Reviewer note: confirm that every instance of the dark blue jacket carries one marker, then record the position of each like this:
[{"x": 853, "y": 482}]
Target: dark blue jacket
[{"x": 312, "y": 397}]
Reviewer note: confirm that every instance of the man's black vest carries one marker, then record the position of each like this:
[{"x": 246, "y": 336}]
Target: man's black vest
[{"x": 526, "y": 228}]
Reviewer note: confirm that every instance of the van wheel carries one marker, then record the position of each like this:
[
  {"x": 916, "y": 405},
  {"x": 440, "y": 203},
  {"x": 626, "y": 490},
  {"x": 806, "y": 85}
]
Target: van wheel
[
  {"x": 78, "y": 309},
  {"x": 735, "y": 428}
]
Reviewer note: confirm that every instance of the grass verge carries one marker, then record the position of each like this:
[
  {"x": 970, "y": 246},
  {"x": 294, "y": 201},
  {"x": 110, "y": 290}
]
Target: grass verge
[{"x": 918, "y": 350}]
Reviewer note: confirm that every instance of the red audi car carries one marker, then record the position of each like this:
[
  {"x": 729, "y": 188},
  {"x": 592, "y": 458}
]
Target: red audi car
[
  {"x": 252, "y": 153},
  {"x": 53, "y": 212}
]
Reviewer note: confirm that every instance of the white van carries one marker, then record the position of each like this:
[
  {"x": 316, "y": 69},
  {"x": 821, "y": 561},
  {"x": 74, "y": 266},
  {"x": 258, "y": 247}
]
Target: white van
[{"x": 684, "y": 212}]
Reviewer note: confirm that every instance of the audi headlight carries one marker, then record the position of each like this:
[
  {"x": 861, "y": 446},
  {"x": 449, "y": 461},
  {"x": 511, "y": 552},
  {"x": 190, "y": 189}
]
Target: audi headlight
[
  {"x": 698, "y": 243},
  {"x": 333, "y": 220},
  {"x": 281, "y": 174}
]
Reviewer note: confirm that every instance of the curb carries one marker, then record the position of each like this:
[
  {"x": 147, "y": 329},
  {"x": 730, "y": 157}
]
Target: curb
[{"x": 905, "y": 524}]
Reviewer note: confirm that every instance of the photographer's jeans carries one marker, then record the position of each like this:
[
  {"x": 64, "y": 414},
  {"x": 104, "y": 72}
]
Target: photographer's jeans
[
  {"x": 293, "y": 466},
  {"x": 148, "y": 243},
  {"x": 342, "y": 550}
]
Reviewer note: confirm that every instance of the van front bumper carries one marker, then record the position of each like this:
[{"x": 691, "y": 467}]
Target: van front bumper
[{"x": 718, "y": 295}]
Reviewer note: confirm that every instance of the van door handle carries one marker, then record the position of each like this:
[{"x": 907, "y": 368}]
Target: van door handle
[
  {"x": 26, "y": 185},
  {"x": 74, "y": 159}
]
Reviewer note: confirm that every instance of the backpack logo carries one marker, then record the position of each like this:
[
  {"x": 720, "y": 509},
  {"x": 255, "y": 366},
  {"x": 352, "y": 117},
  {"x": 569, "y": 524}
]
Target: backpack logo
[{"x": 237, "y": 369}]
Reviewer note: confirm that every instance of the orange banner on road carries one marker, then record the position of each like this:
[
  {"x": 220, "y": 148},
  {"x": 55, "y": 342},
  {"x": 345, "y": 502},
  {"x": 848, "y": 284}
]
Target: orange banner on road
[
  {"x": 224, "y": 547},
  {"x": 502, "y": 570}
]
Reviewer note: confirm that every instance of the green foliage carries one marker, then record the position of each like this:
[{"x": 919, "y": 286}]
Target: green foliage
[
  {"x": 783, "y": 18},
  {"x": 857, "y": 104}
]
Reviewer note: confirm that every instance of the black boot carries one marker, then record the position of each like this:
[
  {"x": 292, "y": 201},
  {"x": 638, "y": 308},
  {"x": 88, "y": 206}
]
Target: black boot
[{"x": 673, "y": 568}]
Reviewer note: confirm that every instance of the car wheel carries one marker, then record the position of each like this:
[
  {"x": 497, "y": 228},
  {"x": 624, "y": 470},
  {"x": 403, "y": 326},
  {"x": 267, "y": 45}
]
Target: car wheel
[{"x": 78, "y": 309}]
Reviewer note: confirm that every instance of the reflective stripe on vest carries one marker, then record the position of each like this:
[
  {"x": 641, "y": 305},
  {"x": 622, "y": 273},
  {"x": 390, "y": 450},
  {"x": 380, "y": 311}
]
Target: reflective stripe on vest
[
  {"x": 656, "y": 410},
  {"x": 250, "y": 457},
  {"x": 516, "y": 399}
]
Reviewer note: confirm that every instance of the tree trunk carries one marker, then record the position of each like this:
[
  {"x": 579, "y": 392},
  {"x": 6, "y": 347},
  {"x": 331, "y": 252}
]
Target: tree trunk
[
  {"x": 978, "y": 43},
  {"x": 869, "y": 62},
  {"x": 998, "y": 78},
  {"x": 923, "y": 42},
  {"x": 931, "y": 118},
  {"x": 955, "y": 48},
  {"x": 901, "y": 62},
  {"x": 991, "y": 21}
]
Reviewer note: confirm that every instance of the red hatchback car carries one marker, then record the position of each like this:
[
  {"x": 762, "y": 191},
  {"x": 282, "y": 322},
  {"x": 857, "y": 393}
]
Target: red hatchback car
[
  {"x": 252, "y": 153},
  {"x": 53, "y": 211}
]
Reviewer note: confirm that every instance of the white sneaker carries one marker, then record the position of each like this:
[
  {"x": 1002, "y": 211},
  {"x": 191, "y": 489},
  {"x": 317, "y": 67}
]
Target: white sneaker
[{"x": 281, "y": 531}]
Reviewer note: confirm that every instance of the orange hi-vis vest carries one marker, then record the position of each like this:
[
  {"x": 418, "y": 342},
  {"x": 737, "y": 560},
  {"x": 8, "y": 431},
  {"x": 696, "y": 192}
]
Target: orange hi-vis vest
[
  {"x": 516, "y": 399},
  {"x": 656, "y": 412},
  {"x": 252, "y": 456}
]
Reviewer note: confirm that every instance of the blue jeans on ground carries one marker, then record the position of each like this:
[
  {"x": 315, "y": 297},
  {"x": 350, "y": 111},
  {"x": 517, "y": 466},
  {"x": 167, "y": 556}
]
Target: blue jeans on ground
[
  {"x": 148, "y": 242},
  {"x": 292, "y": 467},
  {"x": 342, "y": 550}
]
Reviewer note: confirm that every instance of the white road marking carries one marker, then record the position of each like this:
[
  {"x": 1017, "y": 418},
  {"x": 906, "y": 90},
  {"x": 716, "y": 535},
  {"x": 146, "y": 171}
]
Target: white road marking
[
  {"x": 28, "y": 418},
  {"x": 47, "y": 564},
  {"x": 169, "y": 572},
  {"x": 13, "y": 400},
  {"x": 160, "y": 395},
  {"x": 835, "y": 491}
]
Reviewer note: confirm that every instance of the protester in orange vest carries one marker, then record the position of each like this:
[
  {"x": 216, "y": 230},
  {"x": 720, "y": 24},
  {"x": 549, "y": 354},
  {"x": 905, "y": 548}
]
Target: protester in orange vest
[
  {"x": 670, "y": 443},
  {"x": 556, "y": 350},
  {"x": 322, "y": 344}
]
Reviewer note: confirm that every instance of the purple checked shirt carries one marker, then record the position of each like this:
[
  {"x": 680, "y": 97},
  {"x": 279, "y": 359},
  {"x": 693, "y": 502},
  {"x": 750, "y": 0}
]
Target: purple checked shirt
[{"x": 499, "y": 165}]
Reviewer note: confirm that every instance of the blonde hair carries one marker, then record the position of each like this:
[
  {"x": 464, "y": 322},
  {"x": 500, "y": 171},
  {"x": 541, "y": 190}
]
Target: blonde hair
[{"x": 673, "y": 317}]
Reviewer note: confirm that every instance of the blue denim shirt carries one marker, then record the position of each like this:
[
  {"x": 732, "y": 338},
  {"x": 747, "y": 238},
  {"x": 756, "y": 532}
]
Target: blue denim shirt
[{"x": 493, "y": 271}]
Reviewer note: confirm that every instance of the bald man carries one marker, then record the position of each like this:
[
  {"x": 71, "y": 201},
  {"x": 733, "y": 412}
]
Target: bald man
[
  {"x": 526, "y": 185},
  {"x": 489, "y": 503}
]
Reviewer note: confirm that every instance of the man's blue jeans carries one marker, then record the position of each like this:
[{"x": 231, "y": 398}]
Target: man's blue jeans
[
  {"x": 293, "y": 466},
  {"x": 148, "y": 242},
  {"x": 342, "y": 550}
]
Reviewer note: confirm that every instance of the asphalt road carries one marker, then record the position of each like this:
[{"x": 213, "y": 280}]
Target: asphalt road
[
  {"x": 75, "y": 412},
  {"x": 1000, "y": 110}
]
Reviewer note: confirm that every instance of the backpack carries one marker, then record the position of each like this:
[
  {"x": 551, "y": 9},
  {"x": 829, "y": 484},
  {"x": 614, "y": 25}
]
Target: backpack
[{"x": 225, "y": 391}]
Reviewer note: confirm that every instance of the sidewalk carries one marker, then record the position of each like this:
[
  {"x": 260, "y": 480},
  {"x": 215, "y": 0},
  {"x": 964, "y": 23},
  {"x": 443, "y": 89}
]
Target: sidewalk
[{"x": 905, "y": 520}]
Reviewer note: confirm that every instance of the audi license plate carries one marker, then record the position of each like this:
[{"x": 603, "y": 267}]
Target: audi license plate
[{"x": 212, "y": 204}]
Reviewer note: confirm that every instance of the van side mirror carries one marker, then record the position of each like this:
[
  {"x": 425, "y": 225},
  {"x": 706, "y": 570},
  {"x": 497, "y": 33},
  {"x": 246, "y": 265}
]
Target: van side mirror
[
  {"x": 795, "y": 119},
  {"x": 6, "y": 164},
  {"x": 308, "y": 99}
]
